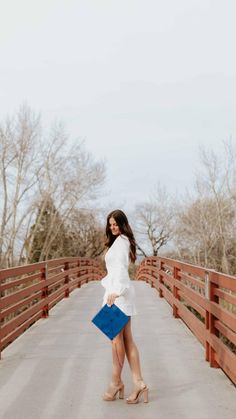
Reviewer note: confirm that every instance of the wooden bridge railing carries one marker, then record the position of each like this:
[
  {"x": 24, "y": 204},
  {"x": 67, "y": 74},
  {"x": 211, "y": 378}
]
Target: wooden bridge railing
[
  {"x": 27, "y": 293},
  {"x": 204, "y": 299}
]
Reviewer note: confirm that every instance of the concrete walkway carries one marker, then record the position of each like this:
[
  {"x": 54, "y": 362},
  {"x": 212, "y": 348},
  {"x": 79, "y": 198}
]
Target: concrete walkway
[{"x": 59, "y": 368}]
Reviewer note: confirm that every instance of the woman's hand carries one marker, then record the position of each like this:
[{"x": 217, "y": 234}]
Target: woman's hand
[{"x": 111, "y": 299}]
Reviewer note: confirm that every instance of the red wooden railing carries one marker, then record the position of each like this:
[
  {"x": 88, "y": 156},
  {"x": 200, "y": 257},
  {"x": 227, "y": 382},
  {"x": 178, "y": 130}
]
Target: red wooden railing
[
  {"x": 204, "y": 299},
  {"x": 27, "y": 293}
]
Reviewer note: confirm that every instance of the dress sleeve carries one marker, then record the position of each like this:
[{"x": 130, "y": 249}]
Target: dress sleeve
[{"x": 121, "y": 276}]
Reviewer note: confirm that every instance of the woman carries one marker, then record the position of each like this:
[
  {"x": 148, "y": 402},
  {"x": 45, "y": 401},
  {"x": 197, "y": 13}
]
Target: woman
[{"x": 119, "y": 290}]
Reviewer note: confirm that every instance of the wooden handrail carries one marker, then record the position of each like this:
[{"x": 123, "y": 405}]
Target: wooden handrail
[
  {"x": 204, "y": 299},
  {"x": 27, "y": 293}
]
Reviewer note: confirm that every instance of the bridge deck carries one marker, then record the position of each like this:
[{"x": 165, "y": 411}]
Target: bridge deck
[{"x": 59, "y": 368}]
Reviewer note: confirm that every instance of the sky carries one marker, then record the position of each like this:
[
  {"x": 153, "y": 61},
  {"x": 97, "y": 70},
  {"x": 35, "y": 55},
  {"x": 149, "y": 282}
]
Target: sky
[{"x": 142, "y": 82}]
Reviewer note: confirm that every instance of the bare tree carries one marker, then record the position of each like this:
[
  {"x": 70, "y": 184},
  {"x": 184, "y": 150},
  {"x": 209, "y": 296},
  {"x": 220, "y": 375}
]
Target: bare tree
[
  {"x": 214, "y": 181},
  {"x": 154, "y": 222},
  {"x": 35, "y": 171},
  {"x": 85, "y": 235},
  {"x": 206, "y": 227},
  {"x": 71, "y": 179},
  {"x": 229, "y": 166},
  {"x": 20, "y": 170},
  {"x": 197, "y": 236}
]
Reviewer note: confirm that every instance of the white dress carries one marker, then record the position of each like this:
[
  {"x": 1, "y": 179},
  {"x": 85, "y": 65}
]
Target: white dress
[{"x": 117, "y": 279}]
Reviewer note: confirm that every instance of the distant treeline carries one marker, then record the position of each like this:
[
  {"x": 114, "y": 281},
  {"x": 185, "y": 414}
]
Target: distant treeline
[{"x": 49, "y": 191}]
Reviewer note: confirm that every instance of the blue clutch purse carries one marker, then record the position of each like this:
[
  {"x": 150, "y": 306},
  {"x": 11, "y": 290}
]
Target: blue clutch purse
[{"x": 110, "y": 320}]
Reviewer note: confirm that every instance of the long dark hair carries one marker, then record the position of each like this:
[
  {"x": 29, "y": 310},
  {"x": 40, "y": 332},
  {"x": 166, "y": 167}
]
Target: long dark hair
[{"x": 123, "y": 224}]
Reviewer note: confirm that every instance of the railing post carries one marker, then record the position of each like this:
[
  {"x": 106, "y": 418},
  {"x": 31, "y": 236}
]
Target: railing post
[
  {"x": 177, "y": 277},
  {"x": 210, "y": 287},
  {"x": 152, "y": 274},
  {"x": 161, "y": 279},
  {"x": 87, "y": 271},
  {"x": 66, "y": 281},
  {"x": 93, "y": 271},
  {"x": 44, "y": 295},
  {"x": 148, "y": 269},
  {"x": 207, "y": 317},
  {"x": 78, "y": 273}
]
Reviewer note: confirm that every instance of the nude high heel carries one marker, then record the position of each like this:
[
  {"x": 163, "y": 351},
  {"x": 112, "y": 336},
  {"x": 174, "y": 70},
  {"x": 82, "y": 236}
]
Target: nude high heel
[
  {"x": 142, "y": 391},
  {"x": 108, "y": 397}
]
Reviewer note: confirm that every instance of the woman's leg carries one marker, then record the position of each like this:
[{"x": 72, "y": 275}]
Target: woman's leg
[
  {"x": 134, "y": 363},
  {"x": 118, "y": 357},
  {"x": 132, "y": 353}
]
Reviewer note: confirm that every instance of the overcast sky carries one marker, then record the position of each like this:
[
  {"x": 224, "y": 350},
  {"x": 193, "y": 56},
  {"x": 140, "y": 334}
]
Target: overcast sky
[{"x": 143, "y": 81}]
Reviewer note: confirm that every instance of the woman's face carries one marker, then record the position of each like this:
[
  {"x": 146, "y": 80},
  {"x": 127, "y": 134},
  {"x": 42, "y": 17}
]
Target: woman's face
[{"x": 114, "y": 227}]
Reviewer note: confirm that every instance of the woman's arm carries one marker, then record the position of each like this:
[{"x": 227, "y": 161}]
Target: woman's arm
[{"x": 120, "y": 277}]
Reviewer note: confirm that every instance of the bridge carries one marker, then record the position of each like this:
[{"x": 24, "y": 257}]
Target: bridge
[{"x": 55, "y": 364}]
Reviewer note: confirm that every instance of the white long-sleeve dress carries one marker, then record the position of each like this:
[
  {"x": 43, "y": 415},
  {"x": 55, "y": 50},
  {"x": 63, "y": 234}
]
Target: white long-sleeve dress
[{"x": 117, "y": 279}]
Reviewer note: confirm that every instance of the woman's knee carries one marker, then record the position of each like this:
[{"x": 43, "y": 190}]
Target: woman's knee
[
  {"x": 127, "y": 332},
  {"x": 119, "y": 338}
]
